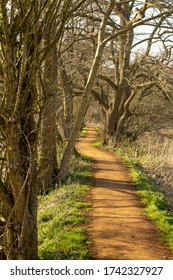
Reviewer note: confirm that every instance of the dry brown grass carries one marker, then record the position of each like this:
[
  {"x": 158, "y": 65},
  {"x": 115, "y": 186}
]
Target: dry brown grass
[{"x": 154, "y": 151}]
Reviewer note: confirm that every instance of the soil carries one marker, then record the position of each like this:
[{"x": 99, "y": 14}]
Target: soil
[{"x": 117, "y": 225}]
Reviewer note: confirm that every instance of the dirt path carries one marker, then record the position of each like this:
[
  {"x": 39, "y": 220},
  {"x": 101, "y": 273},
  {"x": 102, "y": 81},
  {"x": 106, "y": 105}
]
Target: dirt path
[{"x": 118, "y": 226}]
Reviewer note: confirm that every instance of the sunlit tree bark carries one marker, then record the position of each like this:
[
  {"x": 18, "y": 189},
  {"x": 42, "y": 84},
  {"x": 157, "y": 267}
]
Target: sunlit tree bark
[{"x": 86, "y": 95}]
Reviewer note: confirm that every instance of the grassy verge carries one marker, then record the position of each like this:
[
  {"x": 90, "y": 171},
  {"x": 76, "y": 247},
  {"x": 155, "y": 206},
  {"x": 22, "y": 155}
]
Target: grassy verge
[
  {"x": 62, "y": 216},
  {"x": 83, "y": 132},
  {"x": 97, "y": 144},
  {"x": 156, "y": 205}
]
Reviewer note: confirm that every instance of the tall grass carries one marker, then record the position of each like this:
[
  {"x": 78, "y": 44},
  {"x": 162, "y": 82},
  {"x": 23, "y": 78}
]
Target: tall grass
[{"x": 155, "y": 154}]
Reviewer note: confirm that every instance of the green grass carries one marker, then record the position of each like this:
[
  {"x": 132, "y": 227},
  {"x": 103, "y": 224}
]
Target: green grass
[
  {"x": 83, "y": 132},
  {"x": 61, "y": 218},
  {"x": 156, "y": 205},
  {"x": 97, "y": 144}
]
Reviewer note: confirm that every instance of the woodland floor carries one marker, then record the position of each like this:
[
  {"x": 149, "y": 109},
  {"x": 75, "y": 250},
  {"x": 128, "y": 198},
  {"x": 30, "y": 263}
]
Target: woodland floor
[{"x": 117, "y": 225}]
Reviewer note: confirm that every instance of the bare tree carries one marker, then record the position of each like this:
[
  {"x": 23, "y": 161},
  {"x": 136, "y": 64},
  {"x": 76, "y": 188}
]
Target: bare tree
[
  {"x": 23, "y": 27},
  {"x": 122, "y": 80}
]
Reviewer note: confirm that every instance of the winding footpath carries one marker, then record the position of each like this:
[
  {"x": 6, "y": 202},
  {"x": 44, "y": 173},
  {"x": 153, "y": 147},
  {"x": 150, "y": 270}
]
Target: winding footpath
[{"x": 118, "y": 226}]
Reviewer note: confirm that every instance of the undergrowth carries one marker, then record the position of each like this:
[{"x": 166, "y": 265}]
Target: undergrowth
[
  {"x": 155, "y": 203},
  {"x": 62, "y": 215}
]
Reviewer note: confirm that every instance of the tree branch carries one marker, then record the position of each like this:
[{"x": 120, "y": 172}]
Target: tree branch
[
  {"x": 100, "y": 100},
  {"x": 132, "y": 26},
  {"x": 105, "y": 78}
]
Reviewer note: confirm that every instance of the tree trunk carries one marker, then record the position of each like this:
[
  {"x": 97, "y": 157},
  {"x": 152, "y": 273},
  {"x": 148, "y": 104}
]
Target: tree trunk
[
  {"x": 48, "y": 166},
  {"x": 20, "y": 237},
  {"x": 117, "y": 115},
  {"x": 20, "y": 190},
  {"x": 86, "y": 96},
  {"x": 68, "y": 97}
]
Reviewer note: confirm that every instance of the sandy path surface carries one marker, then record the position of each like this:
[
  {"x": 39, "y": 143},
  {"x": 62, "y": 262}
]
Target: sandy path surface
[{"x": 118, "y": 227}]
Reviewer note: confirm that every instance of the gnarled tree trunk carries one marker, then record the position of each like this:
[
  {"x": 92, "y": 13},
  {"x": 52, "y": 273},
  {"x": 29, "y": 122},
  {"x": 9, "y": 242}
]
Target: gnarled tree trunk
[{"x": 48, "y": 164}]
